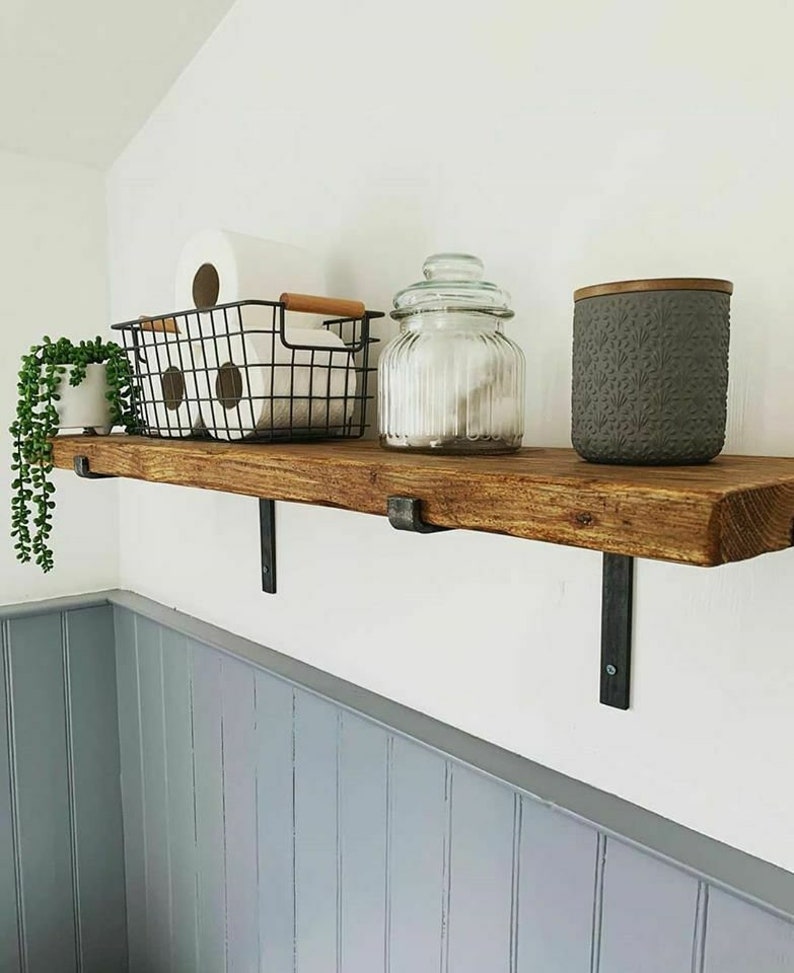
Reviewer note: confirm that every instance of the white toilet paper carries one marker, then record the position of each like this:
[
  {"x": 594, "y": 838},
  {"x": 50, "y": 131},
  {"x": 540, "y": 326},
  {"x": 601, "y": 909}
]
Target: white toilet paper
[
  {"x": 167, "y": 374},
  {"x": 254, "y": 384},
  {"x": 218, "y": 267}
]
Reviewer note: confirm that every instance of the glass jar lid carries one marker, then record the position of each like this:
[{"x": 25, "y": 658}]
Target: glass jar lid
[{"x": 453, "y": 282}]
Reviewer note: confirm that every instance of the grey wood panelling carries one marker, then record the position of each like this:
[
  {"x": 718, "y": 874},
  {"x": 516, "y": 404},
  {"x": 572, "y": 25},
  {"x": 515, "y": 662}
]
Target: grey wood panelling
[
  {"x": 210, "y": 832},
  {"x": 268, "y": 829},
  {"x": 275, "y": 746},
  {"x": 240, "y": 817},
  {"x": 131, "y": 787},
  {"x": 480, "y": 873},
  {"x": 43, "y": 798},
  {"x": 740, "y": 939},
  {"x": 557, "y": 867},
  {"x": 177, "y": 697},
  {"x": 648, "y": 914},
  {"x": 418, "y": 854},
  {"x": 155, "y": 800},
  {"x": 94, "y": 748},
  {"x": 751, "y": 878},
  {"x": 363, "y": 825},
  {"x": 62, "y": 900},
  {"x": 11, "y": 935},
  {"x": 317, "y": 866}
]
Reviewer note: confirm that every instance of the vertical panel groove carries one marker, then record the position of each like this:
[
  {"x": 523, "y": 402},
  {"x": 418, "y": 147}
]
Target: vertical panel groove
[
  {"x": 67, "y": 701},
  {"x": 446, "y": 879},
  {"x": 598, "y": 902},
  {"x": 5, "y": 638},
  {"x": 294, "y": 844},
  {"x": 197, "y": 945},
  {"x": 387, "y": 866},
  {"x": 225, "y": 843},
  {"x": 699, "y": 935},
  {"x": 143, "y": 788},
  {"x": 515, "y": 890},
  {"x": 257, "y": 810},
  {"x": 339, "y": 738},
  {"x": 167, "y": 808},
  {"x": 93, "y": 789}
]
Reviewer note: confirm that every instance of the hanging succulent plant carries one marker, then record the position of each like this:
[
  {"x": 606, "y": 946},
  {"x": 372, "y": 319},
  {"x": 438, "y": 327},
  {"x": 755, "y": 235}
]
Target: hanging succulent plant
[{"x": 43, "y": 371}]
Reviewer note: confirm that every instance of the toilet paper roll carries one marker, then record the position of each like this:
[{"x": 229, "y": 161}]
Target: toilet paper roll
[
  {"x": 219, "y": 267},
  {"x": 167, "y": 374},
  {"x": 254, "y": 384}
]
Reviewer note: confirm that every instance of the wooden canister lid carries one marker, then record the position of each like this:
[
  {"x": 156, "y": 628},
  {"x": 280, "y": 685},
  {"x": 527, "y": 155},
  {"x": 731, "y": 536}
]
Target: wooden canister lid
[{"x": 654, "y": 284}]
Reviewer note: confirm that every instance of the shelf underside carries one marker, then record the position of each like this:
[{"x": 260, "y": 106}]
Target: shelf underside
[{"x": 734, "y": 508}]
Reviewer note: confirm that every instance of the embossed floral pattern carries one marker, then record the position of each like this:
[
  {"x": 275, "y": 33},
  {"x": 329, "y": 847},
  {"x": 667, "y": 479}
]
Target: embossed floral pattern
[{"x": 650, "y": 377}]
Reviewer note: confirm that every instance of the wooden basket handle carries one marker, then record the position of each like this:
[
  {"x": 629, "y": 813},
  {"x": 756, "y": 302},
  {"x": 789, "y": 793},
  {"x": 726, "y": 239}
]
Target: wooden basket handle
[
  {"x": 335, "y": 307},
  {"x": 168, "y": 325}
]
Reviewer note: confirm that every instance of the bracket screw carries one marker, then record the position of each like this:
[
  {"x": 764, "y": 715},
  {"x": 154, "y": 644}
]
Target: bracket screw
[{"x": 611, "y": 670}]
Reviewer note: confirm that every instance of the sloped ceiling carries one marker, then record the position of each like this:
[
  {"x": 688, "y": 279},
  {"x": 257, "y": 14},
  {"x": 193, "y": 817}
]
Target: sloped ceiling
[{"x": 79, "y": 77}]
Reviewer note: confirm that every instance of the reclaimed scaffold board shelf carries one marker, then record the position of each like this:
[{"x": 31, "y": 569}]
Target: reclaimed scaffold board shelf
[{"x": 733, "y": 508}]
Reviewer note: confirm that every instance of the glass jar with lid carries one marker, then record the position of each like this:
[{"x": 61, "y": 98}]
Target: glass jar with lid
[{"x": 452, "y": 381}]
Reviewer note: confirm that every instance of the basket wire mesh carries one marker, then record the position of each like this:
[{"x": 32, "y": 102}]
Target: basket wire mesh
[{"x": 239, "y": 372}]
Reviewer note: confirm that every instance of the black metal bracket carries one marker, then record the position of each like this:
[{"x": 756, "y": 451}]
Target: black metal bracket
[
  {"x": 405, "y": 513},
  {"x": 617, "y": 602},
  {"x": 267, "y": 534},
  {"x": 83, "y": 470}
]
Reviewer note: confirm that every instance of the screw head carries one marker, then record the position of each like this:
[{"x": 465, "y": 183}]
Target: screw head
[
  {"x": 611, "y": 670},
  {"x": 265, "y": 569}
]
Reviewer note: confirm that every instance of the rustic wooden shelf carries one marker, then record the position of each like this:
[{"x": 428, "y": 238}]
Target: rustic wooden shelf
[{"x": 734, "y": 508}]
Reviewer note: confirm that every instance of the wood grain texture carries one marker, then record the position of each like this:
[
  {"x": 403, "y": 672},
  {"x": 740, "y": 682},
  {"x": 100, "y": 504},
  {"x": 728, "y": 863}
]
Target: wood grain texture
[
  {"x": 338, "y": 307},
  {"x": 653, "y": 284},
  {"x": 733, "y": 508},
  {"x": 159, "y": 324}
]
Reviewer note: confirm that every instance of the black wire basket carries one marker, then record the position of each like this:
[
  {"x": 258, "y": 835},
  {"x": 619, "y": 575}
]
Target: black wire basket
[{"x": 245, "y": 371}]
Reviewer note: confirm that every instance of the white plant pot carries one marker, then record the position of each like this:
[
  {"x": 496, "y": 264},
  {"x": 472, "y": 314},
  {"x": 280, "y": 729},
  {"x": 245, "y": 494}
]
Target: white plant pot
[{"x": 85, "y": 406}]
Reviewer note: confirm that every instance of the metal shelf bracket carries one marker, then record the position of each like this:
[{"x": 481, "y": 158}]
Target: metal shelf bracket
[
  {"x": 617, "y": 603},
  {"x": 83, "y": 470},
  {"x": 405, "y": 513},
  {"x": 267, "y": 534}
]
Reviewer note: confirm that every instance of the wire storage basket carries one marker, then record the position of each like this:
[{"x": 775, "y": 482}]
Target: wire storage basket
[{"x": 242, "y": 371}]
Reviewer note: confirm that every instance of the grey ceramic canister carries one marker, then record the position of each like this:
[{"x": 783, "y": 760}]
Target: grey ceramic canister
[{"x": 650, "y": 371}]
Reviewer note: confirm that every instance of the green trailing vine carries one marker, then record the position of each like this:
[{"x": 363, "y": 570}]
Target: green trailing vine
[{"x": 32, "y": 501}]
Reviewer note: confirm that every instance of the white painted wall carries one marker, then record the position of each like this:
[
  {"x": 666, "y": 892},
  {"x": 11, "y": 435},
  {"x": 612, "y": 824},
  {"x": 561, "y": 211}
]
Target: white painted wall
[
  {"x": 53, "y": 268},
  {"x": 566, "y": 143}
]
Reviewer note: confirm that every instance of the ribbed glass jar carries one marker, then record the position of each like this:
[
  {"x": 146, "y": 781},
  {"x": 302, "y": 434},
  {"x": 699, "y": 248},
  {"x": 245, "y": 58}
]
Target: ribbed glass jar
[{"x": 451, "y": 381}]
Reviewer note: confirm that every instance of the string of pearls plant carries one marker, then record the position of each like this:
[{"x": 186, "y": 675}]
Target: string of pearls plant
[{"x": 37, "y": 421}]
